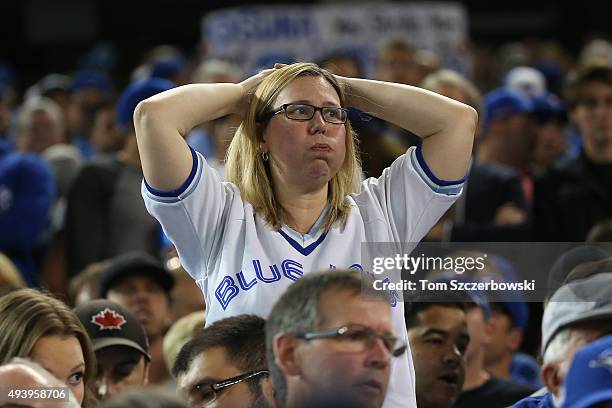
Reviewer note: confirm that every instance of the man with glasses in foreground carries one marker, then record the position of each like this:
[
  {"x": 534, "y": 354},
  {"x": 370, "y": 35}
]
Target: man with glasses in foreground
[
  {"x": 325, "y": 338},
  {"x": 225, "y": 365}
]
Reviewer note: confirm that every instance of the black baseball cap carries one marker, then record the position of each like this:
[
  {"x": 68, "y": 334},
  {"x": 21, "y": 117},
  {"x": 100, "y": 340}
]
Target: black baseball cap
[
  {"x": 134, "y": 263},
  {"x": 110, "y": 324}
]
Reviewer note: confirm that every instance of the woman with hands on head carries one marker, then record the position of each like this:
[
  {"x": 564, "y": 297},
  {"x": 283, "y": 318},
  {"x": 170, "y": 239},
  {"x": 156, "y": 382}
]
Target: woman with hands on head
[{"x": 293, "y": 203}]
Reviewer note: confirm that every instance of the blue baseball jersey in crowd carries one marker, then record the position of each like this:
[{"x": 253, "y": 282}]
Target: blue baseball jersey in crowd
[{"x": 243, "y": 266}]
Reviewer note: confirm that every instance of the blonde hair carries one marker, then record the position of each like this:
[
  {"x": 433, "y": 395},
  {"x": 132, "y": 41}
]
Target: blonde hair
[
  {"x": 9, "y": 274},
  {"x": 26, "y": 315},
  {"x": 252, "y": 175}
]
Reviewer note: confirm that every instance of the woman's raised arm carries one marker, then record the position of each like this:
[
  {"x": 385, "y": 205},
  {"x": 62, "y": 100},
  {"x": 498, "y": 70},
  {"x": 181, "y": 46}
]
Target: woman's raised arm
[
  {"x": 446, "y": 126},
  {"x": 162, "y": 121}
]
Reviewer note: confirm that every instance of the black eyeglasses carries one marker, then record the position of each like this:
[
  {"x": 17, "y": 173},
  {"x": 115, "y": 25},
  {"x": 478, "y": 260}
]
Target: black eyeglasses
[
  {"x": 302, "y": 111},
  {"x": 357, "y": 338},
  {"x": 207, "y": 393}
]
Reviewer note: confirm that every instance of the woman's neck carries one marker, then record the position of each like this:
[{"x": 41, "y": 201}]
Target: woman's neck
[{"x": 302, "y": 209}]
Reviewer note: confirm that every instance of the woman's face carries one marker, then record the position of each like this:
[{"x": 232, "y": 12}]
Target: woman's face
[
  {"x": 62, "y": 357},
  {"x": 305, "y": 154}
]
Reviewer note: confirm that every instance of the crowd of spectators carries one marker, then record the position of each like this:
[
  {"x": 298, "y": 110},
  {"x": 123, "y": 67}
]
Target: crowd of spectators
[{"x": 73, "y": 226}]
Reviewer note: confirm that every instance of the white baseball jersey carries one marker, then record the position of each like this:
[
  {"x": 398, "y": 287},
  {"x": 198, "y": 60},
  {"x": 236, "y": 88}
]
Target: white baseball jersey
[{"x": 243, "y": 266}]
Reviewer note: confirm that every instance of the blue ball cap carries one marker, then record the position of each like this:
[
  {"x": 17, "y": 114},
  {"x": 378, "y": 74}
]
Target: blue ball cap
[
  {"x": 135, "y": 93},
  {"x": 547, "y": 107},
  {"x": 167, "y": 68},
  {"x": 589, "y": 379},
  {"x": 502, "y": 103},
  {"x": 91, "y": 79}
]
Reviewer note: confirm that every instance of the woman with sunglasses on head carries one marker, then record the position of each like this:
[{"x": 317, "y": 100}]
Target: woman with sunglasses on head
[{"x": 293, "y": 203}]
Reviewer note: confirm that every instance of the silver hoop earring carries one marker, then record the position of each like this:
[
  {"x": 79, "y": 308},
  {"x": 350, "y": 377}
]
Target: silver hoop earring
[{"x": 264, "y": 156}]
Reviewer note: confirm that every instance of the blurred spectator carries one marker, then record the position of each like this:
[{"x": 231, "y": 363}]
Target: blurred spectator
[
  {"x": 513, "y": 54},
  {"x": 142, "y": 285},
  {"x": 120, "y": 344},
  {"x": 55, "y": 87},
  {"x": 481, "y": 388},
  {"x": 548, "y": 114},
  {"x": 225, "y": 363},
  {"x": 66, "y": 161},
  {"x": 27, "y": 192},
  {"x": 41, "y": 125},
  {"x": 106, "y": 215},
  {"x": 90, "y": 88},
  {"x": 105, "y": 135},
  {"x": 507, "y": 325},
  {"x": 486, "y": 69},
  {"x": 20, "y": 374},
  {"x": 10, "y": 278},
  {"x": 214, "y": 71},
  {"x": 550, "y": 122},
  {"x": 44, "y": 329},
  {"x": 492, "y": 206},
  {"x": 508, "y": 137},
  {"x": 163, "y": 62},
  {"x": 581, "y": 189},
  {"x": 455, "y": 86},
  {"x": 579, "y": 313},
  {"x": 323, "y": 336},
  {"x": 438, "y": 335},
  {"x": 144, "y": 398},
  {"x": 186, "y": 295},
  {"x": 397, "y": 63},
  {"x": 84, "y": 287},
  {"x": 588, "y": 383},
  {"x": 181, "y": 331},
  {"x": 343, "y": 64}
]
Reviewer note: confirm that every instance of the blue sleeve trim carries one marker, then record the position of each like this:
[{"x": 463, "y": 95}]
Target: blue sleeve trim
[
  {"x": 183, "y": 187},
  {"x": 430, "y": 175},
  {"x": 437, "y": 185}
]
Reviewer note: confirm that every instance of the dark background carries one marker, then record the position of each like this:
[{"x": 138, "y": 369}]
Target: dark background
[{"x": 42, "y": 36}]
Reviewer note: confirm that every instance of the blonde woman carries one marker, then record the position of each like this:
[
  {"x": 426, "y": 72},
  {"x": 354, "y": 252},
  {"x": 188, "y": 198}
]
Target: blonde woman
[
  {"x": 293, "y": 203},
  {"x": 39, "y": 327}
]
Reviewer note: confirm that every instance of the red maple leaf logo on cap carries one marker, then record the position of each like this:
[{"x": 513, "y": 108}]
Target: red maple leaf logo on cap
[{"x": 108, "y": 319}]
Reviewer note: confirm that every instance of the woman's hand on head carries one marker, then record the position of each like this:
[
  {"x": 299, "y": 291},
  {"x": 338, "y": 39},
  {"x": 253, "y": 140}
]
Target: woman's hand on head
[{"x": 250, "y": 84}]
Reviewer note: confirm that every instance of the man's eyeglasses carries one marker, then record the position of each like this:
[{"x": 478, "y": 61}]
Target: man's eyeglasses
[
  {"x": 302, "y": 111},
  {"x": 357, "y": 338},
  {"x": 207, "y": 393}
]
